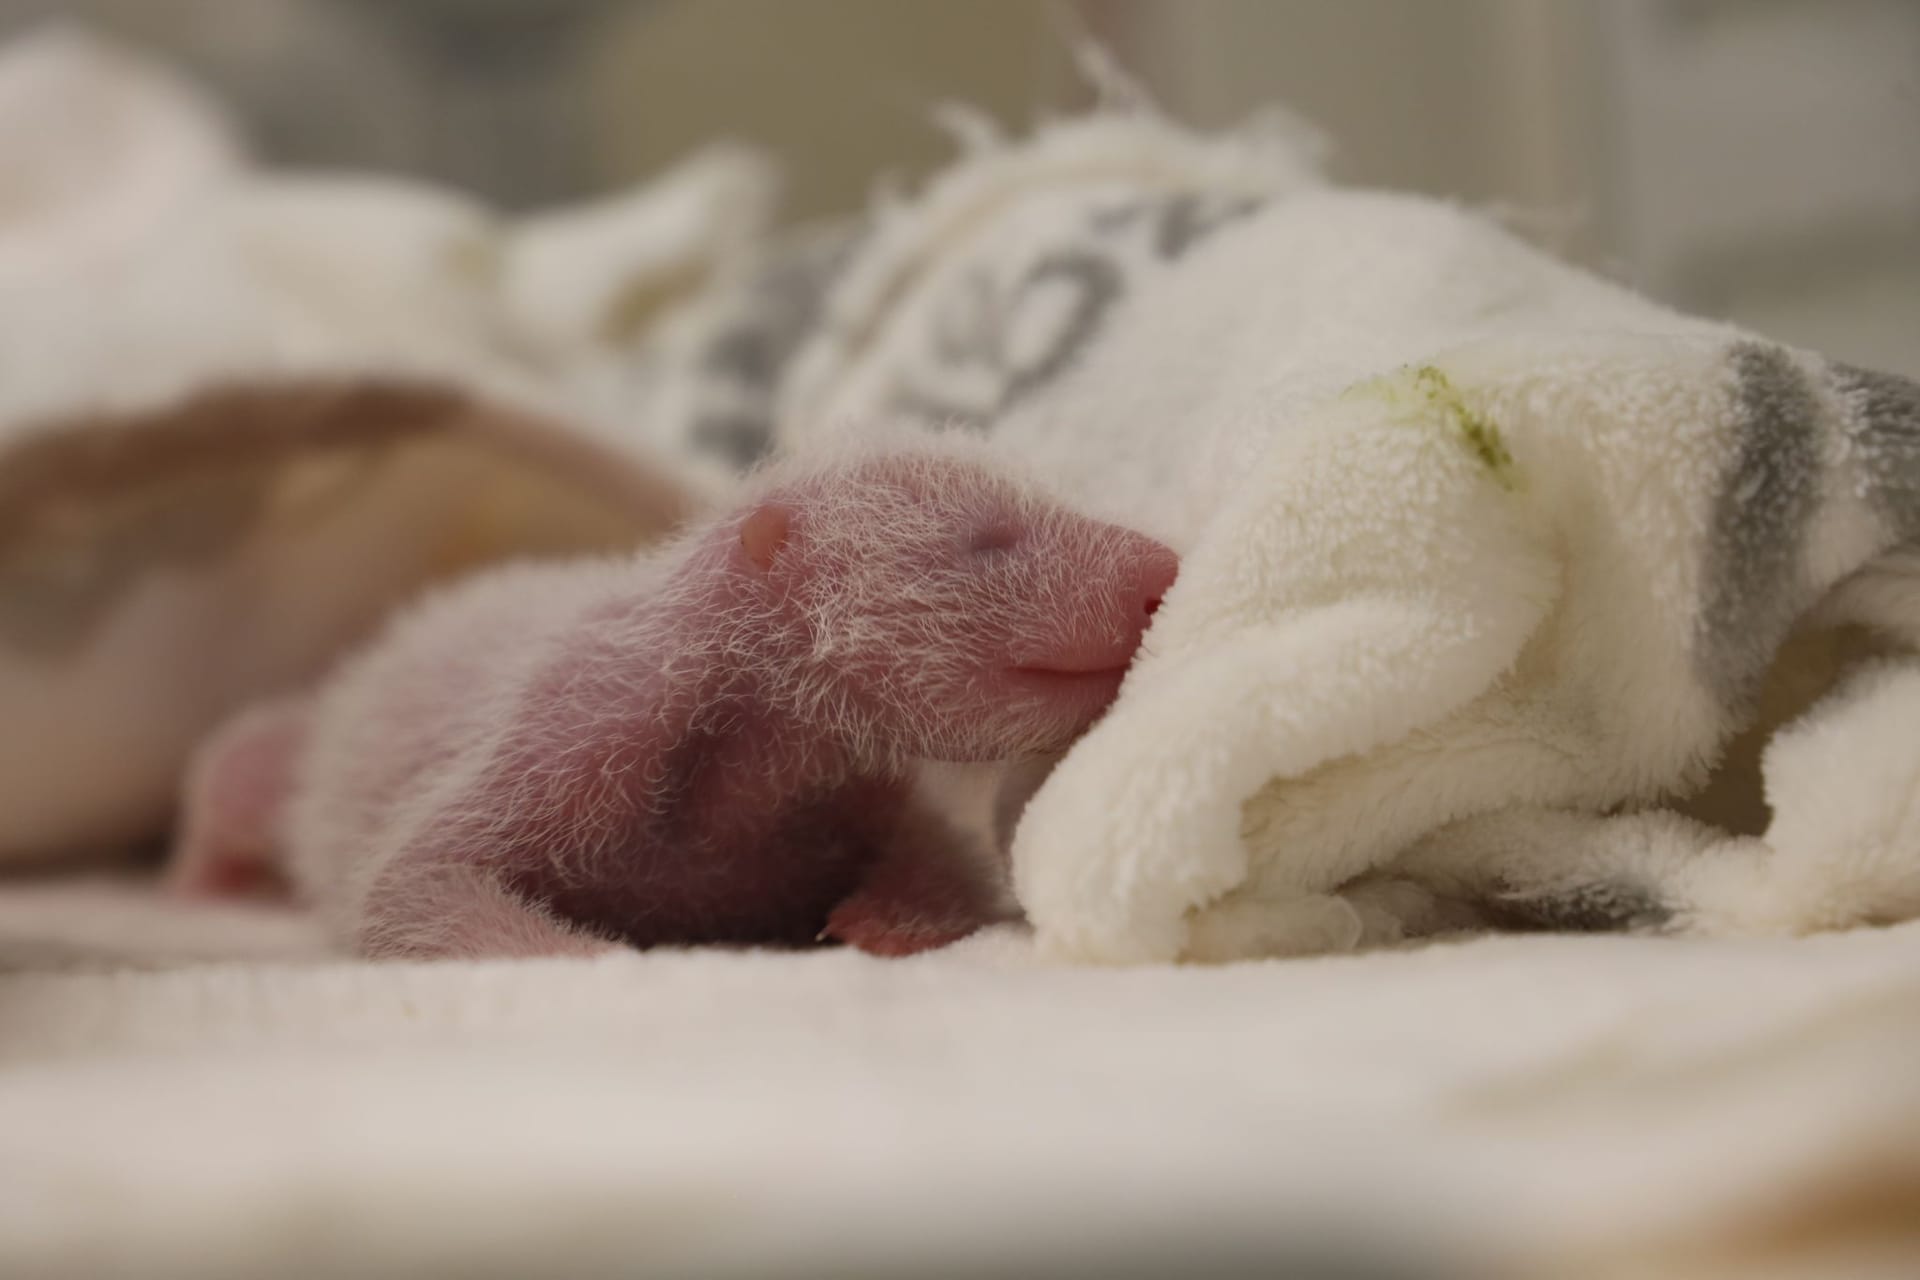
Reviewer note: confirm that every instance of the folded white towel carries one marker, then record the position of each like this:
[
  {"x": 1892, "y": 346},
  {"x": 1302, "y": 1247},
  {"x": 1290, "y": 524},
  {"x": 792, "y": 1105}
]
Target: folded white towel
[{"x": 1465, "y": 531}]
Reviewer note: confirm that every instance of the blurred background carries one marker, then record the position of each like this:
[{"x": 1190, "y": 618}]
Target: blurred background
[{"x": 1756, "y": 159}]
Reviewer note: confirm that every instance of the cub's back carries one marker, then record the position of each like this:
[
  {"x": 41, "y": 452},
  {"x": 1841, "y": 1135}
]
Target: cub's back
[{"x": 422, "y": 707}]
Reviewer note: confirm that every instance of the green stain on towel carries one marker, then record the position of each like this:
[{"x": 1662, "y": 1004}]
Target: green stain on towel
[
  {"x": 1476, "y": 429},
  {"x": 1419, "y": 392}
]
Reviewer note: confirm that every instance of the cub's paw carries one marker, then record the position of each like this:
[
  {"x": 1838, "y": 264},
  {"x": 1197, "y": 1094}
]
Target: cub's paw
[{"x": 882, "y": 928}]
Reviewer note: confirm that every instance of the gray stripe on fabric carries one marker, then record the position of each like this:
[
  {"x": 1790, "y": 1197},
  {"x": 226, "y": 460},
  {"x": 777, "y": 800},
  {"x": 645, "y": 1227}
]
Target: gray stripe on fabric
[
  {"x": 1761, "y": 519},
  {"x": 1600, "y": 907},
  {"x": 1884, "y": 420}
]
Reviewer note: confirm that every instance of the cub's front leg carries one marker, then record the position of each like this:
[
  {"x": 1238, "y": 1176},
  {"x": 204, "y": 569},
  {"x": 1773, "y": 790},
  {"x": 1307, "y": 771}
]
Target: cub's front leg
[{"x": 926, "y": 886}]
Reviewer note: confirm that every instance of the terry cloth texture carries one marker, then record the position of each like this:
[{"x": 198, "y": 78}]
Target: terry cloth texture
[{"x": 1487, "y": 562}]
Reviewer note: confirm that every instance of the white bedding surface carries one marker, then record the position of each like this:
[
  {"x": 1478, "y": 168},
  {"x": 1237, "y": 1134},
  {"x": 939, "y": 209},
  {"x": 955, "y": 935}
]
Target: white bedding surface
[{"x": 1552, "y": 1106}]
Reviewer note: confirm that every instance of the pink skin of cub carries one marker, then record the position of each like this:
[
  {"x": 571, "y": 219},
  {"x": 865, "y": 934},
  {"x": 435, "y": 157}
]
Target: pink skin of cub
[
  {"x": 708, "y": 745},
  {"x": 237, "y": 786}
]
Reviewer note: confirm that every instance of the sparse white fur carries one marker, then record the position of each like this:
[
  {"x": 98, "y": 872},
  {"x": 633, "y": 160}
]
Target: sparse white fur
[{"x": 414, "y": 729}]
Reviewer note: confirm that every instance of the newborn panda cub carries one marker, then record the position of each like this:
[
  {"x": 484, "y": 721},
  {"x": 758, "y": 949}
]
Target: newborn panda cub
[{"x": 708, "y": 744}]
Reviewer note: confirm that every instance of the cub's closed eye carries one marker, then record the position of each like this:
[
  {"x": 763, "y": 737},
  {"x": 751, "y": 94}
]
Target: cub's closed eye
[{"x": 994, "y": 537}]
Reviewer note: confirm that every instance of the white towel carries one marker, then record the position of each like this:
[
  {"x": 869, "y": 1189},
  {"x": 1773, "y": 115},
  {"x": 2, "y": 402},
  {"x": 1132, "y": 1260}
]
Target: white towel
[
  {"x": 167, "y": 261},
  {"x": 1466, "y": 531}
]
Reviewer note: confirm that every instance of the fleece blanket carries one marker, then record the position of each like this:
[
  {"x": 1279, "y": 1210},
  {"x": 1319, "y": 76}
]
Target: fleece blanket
[
  {"x": 1554, "y": 1108},
  {"x": 1487, "y": 562},
  {"x": 1150, "y": 318}
]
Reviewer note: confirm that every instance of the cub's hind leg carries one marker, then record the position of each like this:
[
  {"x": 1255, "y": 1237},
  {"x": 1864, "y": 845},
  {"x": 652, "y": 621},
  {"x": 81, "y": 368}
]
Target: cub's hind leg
[{"x": 227, "y": 841}]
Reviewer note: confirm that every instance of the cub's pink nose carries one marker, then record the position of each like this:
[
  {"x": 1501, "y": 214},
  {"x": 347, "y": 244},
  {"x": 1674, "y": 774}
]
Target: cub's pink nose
[
  {"x": 1158, "y": 569},
  {"x": 1101, "y": 636}
]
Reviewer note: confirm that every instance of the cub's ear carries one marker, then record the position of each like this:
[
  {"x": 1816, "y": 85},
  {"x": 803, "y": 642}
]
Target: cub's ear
[{"x": 764, "y": 532}]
